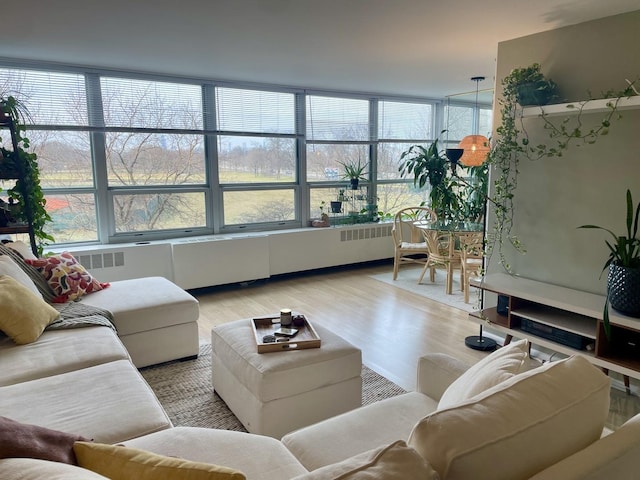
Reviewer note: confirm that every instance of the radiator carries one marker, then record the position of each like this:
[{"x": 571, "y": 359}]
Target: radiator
[{"x": 206, "y": 261}]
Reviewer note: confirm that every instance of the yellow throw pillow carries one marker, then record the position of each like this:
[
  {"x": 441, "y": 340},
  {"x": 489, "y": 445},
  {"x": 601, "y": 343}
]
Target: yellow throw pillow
[
  {"x": 23, "y": 316},
  {"x": 124, "y": 463}
]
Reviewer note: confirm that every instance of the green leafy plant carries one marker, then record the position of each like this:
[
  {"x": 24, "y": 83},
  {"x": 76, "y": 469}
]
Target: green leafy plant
[
  {"x": 354, "y": 171},
  {"x": 31, "y": 205},
  {"x": 624, "y": 250},
  {"x": 531, "y": 87},
  {"x": 451, "y": 197}
]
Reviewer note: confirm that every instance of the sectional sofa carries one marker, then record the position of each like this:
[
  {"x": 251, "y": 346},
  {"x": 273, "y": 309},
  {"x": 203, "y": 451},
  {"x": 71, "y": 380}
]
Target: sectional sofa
[{"x": 498, "y": 419}]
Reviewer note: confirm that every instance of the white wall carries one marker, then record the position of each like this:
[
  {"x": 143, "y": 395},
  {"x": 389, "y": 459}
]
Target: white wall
[{"x": 588, "y": 184}]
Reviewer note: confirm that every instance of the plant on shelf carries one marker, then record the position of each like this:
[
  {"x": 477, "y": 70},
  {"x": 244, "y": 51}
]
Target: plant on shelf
[
  {"x": 623, "y": 280},
  {"x": 531, "y": 87},
  {"x": 354, "y": 172},
  {"x": 27, "y": 192},
  {"x": 512, "y": 144}
]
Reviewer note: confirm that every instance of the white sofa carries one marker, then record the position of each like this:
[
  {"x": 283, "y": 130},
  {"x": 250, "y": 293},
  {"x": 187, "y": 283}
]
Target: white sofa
[
  {"x": 155, "y": 319},
  {"x": 82, "y": 381},
  {"x": 493, "y": 420}
]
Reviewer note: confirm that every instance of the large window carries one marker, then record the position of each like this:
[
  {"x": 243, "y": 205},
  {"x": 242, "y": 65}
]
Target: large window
[{"x": 126, "y": 157}]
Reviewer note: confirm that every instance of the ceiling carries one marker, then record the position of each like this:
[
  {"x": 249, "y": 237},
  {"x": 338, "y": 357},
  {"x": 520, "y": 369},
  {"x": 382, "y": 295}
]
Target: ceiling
[{"x": 426, "y": 48}]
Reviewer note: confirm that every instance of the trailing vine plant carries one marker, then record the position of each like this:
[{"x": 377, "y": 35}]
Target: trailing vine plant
[
  {"x": 31, "y": 206},
  {"x": 512, "y": 144}
]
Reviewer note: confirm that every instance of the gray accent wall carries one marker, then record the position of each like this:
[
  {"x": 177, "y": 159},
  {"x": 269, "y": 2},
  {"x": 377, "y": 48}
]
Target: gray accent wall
[{"x": 588, "y": 184}]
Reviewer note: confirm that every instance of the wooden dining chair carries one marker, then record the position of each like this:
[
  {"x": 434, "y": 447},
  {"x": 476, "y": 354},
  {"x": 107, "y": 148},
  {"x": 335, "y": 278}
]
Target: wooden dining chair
[
  {"x": 442, "y": 254},
  {"x": 471, "y": 246},
  {"x": 408, "y": 241}
]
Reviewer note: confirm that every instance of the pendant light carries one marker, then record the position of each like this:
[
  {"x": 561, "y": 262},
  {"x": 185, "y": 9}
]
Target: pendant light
[{"x": 476, "y": 147}]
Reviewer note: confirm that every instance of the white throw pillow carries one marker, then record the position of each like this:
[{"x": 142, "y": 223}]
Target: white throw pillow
[
  {"x": 519, "y": 427},
  {"x": 500, "y": 365},
  {"x": 12, "y": 269}
]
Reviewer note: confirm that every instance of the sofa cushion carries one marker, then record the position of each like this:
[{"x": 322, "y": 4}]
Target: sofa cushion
[
  {"x": 35, "y": 469},
  {"x": 109, "y": 403},
  {"x": 379, "y": 423},
  {"x": 23, "y": 316},
  {"x": 12, "y": 269},
  {"x": 233, "y": 449},
  {"x": 391, "y": 462},
  {"x": 67, "y": 278},
  {"x": 528, "y": 422},
  {"x": 59, "y": 351},
  {"x": 143, "y": 304},
  {"x": 615, "y": 456},
  {"x": 22, "y": 440},
  {"x": 124, "y": 463},
  {"x": 501, "y": 364}
]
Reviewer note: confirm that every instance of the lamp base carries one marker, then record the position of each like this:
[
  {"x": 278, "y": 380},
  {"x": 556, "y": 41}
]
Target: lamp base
[{"x": 478, "y": 342}]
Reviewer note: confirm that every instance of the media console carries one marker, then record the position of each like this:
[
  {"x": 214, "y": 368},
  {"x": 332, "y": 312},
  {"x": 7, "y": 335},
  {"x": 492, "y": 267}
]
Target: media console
[{"x": 561, "y": 319}]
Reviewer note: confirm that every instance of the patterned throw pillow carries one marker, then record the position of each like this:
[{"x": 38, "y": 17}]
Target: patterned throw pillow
[{"x": 67, "y": 278}]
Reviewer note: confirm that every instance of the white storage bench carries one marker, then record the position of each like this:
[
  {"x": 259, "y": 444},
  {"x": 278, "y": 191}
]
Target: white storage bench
[{"x": 277, "y": 392}]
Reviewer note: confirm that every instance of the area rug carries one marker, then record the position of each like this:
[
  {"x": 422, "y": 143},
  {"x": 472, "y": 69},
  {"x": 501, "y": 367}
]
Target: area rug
[
  {"x": 184, "y": 390},
  {"x": 408, "y": 280}
]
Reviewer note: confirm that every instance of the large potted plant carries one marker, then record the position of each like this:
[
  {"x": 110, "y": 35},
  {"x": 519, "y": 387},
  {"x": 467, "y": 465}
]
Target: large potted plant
[
  {"x": 449, "y": 194},
  {"x": 623, "y": 280}
]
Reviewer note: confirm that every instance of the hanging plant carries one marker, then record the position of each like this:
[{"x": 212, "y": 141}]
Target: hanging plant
[
  {"x": 30, "y": 205},
  {"x": 512, "y": 144}
]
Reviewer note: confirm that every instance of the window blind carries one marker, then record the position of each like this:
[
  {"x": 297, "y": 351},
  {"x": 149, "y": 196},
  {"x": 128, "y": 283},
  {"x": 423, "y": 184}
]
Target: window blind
[{"x": 51, "y": 98}]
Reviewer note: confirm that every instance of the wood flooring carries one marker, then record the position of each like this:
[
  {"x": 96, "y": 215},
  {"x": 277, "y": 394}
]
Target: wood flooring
[{"x": 392, "y": 327}]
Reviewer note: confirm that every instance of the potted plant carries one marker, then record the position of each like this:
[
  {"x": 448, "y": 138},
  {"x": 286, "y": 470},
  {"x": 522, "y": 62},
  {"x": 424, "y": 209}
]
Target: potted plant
[
  {"x": 354, "y": 172},
  {"x": 336, "y": 205},
  {"x": 27, "y": 193},
  {"x": 531, "y": 86},
  {"x": 429, "y": 165},
  {"x": 623, "y": 280}
]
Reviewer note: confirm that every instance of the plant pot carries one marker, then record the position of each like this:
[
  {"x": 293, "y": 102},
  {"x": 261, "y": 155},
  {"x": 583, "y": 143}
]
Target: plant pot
[
  {"x": 336, "y": 207},
  {"x": 623, "y": 285},
  {"x": 354, "y": 183},
  {"x": 534, "y": 93}
]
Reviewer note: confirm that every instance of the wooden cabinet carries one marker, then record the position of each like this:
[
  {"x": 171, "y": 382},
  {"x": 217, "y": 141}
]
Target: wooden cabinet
[{"x": 562, "y": 319}]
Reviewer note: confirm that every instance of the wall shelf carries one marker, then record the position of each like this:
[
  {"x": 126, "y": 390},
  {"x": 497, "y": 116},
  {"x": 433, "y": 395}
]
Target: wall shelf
[
  {"x": 590, "y": 106},
  {"x": 567, "y": 321}
]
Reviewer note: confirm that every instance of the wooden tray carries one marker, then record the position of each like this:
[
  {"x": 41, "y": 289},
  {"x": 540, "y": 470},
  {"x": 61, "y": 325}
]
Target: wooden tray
[{"x": 306, "y": 337}]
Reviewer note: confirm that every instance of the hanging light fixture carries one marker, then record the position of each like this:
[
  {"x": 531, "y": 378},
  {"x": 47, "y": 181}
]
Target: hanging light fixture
[{"x": 476, "y": 147}]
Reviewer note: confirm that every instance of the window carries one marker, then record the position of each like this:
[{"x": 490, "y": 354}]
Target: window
[
  {"x": 401, "y": 125},
  {"x": 256, "y": 157},
  {"x": 154, "y": 157}
]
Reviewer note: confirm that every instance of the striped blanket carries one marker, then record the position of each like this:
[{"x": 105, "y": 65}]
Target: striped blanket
[{"x": 72, "y": 314}]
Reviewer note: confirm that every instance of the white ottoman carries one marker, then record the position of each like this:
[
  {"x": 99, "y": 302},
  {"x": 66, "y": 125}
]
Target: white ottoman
[{"x": 275, "y": 393}]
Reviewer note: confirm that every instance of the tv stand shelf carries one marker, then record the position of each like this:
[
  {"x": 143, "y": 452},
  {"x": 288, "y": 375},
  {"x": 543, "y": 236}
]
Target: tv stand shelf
[{"x": 562, "y": 319}]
